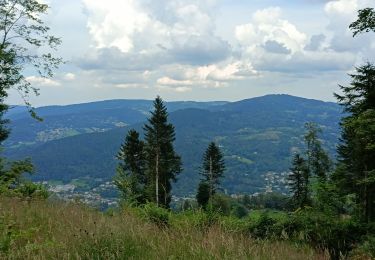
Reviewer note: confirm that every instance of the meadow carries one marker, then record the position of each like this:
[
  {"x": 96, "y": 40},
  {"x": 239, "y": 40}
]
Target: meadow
[{"x": 37, "y": 229}]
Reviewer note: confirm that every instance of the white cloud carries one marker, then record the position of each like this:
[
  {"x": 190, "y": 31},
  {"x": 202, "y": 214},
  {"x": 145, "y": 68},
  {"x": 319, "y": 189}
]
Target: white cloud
[
  {"x": 42, "y": 82},
  {"x": 167, "y": 81},
  {"x": 112, "y": 23},
  {"x": 267, "y": 25},
  {"x": 181, "y": 31},
  {"x": 131, "y": 86},
  {"x": 69, "y": 76},
  {"x": 174, "y": 89},
  {"x": 341, "y": 7}
]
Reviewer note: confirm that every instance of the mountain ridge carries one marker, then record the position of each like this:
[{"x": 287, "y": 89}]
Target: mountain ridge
[{"x": 257, "y": 137}]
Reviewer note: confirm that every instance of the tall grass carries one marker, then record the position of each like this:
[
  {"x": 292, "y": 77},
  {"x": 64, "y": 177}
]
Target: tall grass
[{"x": 45, "y": 230}]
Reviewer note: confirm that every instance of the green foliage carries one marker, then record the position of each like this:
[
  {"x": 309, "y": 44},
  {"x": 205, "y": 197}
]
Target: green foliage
[
  {"x": 325, "y": 231},
  {"x": 272, "y": 200},
  {"x": 156, "y": 214},
  {"x": 203, "y": 194},
  {"x": 131, "y": 176},
  {"x": 219, "y": 203},
  {"x": 162, "y": 162},
  {"x": 318, "y": 162},
  {"x": 22, "y": 29},
  {"x": 264, "y": 227},
  {"x": 299, "y": 183},
  {"x": 213, "y": 168},
  {"x": 32, "y": 190},
  {"x": 366, "y": 248},
  {"x": 239, "y": 211},
  {"x": 356, "y": 171},
  {"x": 365, "y": 21}
]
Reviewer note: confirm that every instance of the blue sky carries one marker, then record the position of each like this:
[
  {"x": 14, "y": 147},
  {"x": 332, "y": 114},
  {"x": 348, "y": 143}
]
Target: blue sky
[{"x": 201, "y": 49}]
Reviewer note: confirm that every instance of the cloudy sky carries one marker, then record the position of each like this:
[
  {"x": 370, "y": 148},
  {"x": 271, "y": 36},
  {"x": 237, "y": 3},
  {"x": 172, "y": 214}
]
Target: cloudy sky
[{"x": 201, "y": 49}]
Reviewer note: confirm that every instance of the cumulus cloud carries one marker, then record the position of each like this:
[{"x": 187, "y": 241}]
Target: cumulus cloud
[
  {"x": 268, "y": 26},
  {"x": 340, "y": 14},
  {"x": 272, "y": 43},
  {"x": 140, "y": 34},
  {"x": 275, "y": 47}
]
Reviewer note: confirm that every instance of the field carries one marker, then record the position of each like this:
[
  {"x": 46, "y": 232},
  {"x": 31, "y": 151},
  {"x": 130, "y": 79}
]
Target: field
[{"x": 56, "y": 230}]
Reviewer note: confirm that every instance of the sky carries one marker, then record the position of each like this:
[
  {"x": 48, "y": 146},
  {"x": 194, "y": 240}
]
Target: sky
[{"x": 201, "y": 50}]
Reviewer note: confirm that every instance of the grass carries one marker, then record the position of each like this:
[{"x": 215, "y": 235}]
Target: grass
[{"x": 46, "y": 230}]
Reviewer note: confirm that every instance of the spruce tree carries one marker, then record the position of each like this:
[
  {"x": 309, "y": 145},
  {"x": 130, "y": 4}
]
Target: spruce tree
[
  {"x": 318, "y": 162},
  {"x": 299, "y": 182},
  {"x": 355, "y": 173},
  {"x": 131, "y": 178},
  {"x": 162, "y": 163},
  {"x": 213, "y": 168}
]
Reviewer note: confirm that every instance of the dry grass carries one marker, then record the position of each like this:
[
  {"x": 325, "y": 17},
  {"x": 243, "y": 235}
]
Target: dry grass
[{"x": 41, "y": 230}]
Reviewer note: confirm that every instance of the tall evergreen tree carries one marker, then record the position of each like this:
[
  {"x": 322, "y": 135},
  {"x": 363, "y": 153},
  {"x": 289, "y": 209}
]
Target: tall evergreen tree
[
  {"x": 213, "y": 168},
  {"x": 131, "y": 177},
  {"x": 299, "y": 182},
  {"x": 318, "y": 162},
  {"x": 355, "y": 173},
  {"x": 162, "y": 163}
]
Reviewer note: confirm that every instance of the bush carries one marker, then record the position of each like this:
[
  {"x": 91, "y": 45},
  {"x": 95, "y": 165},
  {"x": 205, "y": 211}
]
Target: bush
[
  {"x": 337, "y": 236},
  {"x": 366, "y": 248},
  {"x": 156, "y": 215},
  {"x": 264, "y": 227},
  {"x": 33, "y": 190},
  {"x": 219, "y": 203},
  {"x": 239, "y": 211}
]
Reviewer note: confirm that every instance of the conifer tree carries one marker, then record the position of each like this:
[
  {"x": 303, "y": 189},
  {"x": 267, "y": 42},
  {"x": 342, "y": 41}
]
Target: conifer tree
[
  {"x": 299, "y": 182},
  {"x": 212, "y": 169},
  {"x": 131, "y": 176},
  {"x": 203, "y": 194},
  {"x": 355, "y": 173},
  {"x": 318, "y": 162},
  {"x": 162, "y": 163}
]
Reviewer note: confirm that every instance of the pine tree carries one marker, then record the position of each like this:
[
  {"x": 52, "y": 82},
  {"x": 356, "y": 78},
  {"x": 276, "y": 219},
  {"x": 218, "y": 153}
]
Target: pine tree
[
  {"x": 355, "y": 173},
  {"x": 299, "y": 182},
  {"x": 131, "y": 177},
  {"x": 162, "y": 163},
  {"x": 213, "y": 168}
]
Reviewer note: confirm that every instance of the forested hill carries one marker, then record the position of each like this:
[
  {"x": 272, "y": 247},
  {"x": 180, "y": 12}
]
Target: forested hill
[{"x": 258, "y": 137}]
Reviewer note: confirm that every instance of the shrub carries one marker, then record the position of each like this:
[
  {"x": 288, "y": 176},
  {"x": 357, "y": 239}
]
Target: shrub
[
  {"x": 337, "y": 236},
  {"x": 263, "y": 227},
  {"x": 239, "y": 211},
  {"x": 367, "y": 248},
  {"x": 156, "y": 215},
  {"x": 33, "y": 190},
  {"x": 219, "y": 203}
]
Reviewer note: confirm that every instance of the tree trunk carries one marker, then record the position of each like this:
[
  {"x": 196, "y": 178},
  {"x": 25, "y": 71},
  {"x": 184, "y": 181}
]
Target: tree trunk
[
  {"x": 211, "y": 181},
  {"x": 157, "y": 178}
]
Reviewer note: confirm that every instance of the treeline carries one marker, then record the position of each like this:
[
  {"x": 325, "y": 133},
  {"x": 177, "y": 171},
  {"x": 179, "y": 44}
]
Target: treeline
[{"x": 148, "y": 167}]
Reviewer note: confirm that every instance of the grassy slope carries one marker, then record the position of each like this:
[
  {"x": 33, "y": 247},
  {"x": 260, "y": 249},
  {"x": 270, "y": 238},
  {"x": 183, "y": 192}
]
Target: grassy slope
[{"x": 41, "y": 230}]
